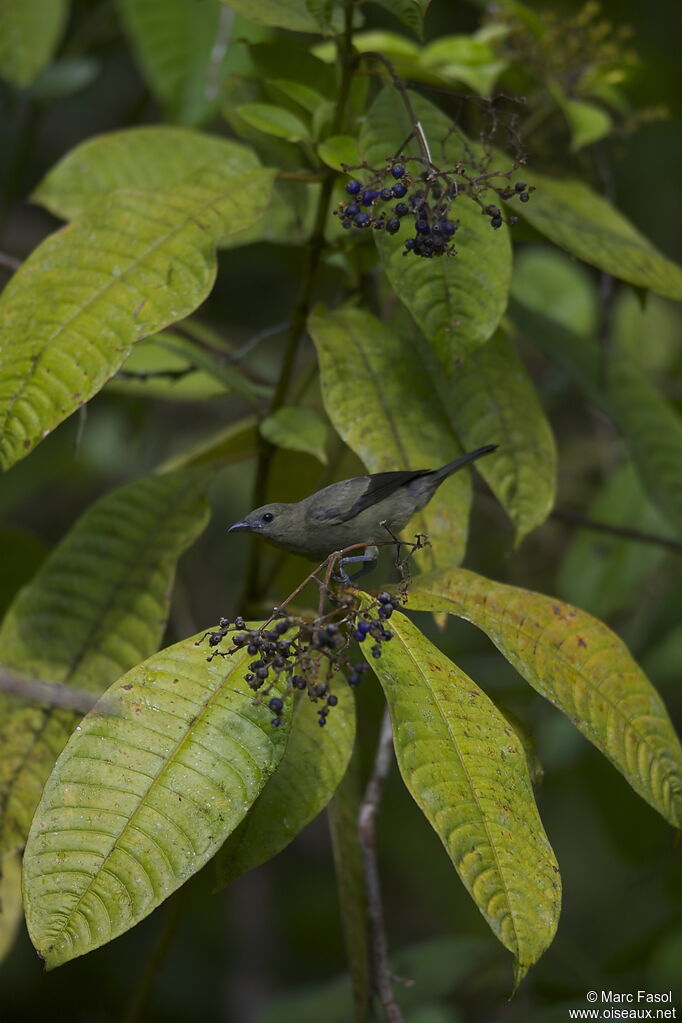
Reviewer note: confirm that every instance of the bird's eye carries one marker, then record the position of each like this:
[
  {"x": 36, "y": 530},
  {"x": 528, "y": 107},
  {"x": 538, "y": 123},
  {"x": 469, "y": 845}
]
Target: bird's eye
[{"x": 267, "y": 517}]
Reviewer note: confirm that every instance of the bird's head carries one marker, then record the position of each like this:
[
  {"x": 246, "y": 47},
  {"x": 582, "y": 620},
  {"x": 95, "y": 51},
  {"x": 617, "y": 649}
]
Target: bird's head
[{"x": 274, "y": 522}]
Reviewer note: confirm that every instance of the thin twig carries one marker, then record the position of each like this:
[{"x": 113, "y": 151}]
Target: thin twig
[
  {"x": 54, "y": 694},
  {"x": 575, "y": 518},
  {"x": 8, "y": 262},
  {"x": 367, "y": 838}
]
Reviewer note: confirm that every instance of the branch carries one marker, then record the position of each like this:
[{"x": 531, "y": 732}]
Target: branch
[
  {"x": 55, "y": 694},
  {"x": 575, "y": 518},
  {"x": 11, "y": 263},
  {"x": 367, "y": 838}
]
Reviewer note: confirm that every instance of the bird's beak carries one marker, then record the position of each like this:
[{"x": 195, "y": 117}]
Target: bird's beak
[{"x": 240, "y": 527}]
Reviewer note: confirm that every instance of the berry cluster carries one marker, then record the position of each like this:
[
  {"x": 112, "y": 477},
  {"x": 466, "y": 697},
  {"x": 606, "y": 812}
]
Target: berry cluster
[
  {"x": 428, "y": 204},
  {"x": 305, "y": 655}
]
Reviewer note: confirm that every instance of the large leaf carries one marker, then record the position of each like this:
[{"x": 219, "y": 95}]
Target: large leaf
[
  {"x": 306, "y": 779},
  {"x": 147, "y": 789},
  {"x": 574, "y": 217},
  {"x": 580, "y": 666},
  {"x": 96, "y": 607},
  {"x": 378, "y": 396},
  {"x": 492, "y": 399},
  {"x": 182, "y": 50},
  {"x": 457, "y": 301},
  {"x": 466, "y": 768},
  {"x": 29, "y": 33},
  {"x": 155, "y": 157},
  {"x": 604, "y": 573},
  {"x": 650, "y": 423},
  {"x": 123, "y": 271}
]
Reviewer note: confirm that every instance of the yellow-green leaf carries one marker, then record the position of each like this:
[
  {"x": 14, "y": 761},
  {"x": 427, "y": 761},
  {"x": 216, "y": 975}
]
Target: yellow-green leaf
[
  {"x": 307, "y": 777},
  {"x": 96, "y": 607},
  {"x": 588, "y": 122},
  {"x": 580, "y": 666},
  {"x": 147, "y": 789},
  {"x": 274, "y": 121},
  {"x": 29, "y": 33},
  {"x": 297, "y": 429},
  {"x": 154, "y": 157},
  {"x": 339, "y": 149},
  {"x": 466, "y": 768},
  {"x": 123, "y": 271},
  {"x": 579, "y": 220},
  {"x": 378, "y": 396},
  {"x": 493, "y": 400}
]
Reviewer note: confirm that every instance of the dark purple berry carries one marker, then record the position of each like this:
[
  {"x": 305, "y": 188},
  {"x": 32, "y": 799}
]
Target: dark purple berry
[
  {"x": 397, "y": 170},
  {"x": 364, "y": 626},
  {"x": 376, "y": 651},
  {"x": 422, "y": 226},
  {"x": 386, "y": 194},
  {"x": 298, "y": 682},
  {"x": 353, "y": 186},
  {"x": 362, "y": 220},
  {"x": 386, "y": 635},
  {"x": 252, "y": 648},
  {"x": 392, "y": 225},
  {"x": 215, "y": 638},
  {"x": 358, "y": 635},
  {"x": 239, "y": 622},
  {"x": 520, "y": 186},
  {"x": 332, "y": 700},
  {"x": 524, "y": 197},
  {"x": 351, "y": 209},
  {"x": 399, "y": 190},
  {"x": 368, "y": 195},
  {"x": 496, "y": 222},
  {"x": 262, "y": 672},
  {"x": 384, "y": 598},
  {"x": 276, "y": 705},
  {"x": 276, "y": 722},
  {"x": 354, "y": 679},
  {"x": 386, "y": 611},
  {"x": 400, "y": 209}
]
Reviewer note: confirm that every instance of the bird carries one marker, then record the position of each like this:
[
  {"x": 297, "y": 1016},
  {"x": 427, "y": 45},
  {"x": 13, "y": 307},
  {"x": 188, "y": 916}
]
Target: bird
[{"x": 362, "y": 509}]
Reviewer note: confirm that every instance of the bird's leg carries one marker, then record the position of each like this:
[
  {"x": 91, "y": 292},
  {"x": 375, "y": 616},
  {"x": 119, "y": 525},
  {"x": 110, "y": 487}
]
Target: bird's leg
[{"x": 368, "y": 559}]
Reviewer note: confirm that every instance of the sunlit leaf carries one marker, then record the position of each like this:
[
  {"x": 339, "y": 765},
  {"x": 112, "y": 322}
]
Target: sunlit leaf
[
  {"x": 29, "y": 33},
  {"x": 464, "y": 58},
  {"x": 154, "y": 157},
  {"x": 493, "y": 400},
  {"x": 274, "y": 121},
  {"x": 579, "y": 220},
  {"x": 580, "y": 666},
  {"x": 182, "y": 52},
  {"x": 147, "y": 789},
  {"x": 378, "y": 396},
  {"x": 72, "y": 313},
  {"x": 466, "y": 768},
  {"x": 96, "y": 607},
  {"x": 457, "y": 301},
  {"x": 298, "y": 429},
  {"x": 603, "y": 573},
  {"x": 305, "y": 780}
]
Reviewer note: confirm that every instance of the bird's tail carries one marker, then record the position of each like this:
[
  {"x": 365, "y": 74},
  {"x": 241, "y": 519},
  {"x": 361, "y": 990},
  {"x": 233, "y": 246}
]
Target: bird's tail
[{"x": 470, "y": 456}]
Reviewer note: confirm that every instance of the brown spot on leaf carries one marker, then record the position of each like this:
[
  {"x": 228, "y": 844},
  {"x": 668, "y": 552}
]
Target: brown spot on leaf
[
  {"x": 581, "y": 641},
  {"x": 128, "y": 685}
]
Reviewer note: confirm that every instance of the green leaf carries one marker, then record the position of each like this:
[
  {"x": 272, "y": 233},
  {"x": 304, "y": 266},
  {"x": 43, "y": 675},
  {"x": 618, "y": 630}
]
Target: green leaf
[
  {"x": 379, "y": 396},
  {"x": 274, "y": 121},
  {"x": 303, "y": 95},
  {"x": 410, "y": 12},
  {"x": 466, "y": 769},
  {"x": 304, "y": 782},
  {"x": 549, "y": 281},
  {"x": 588, "y": 123},
  {"x": 339, "y": 149},
  {"x": 30, "y": 31},
  {"x": 153, "y": 370},
  {"x": 215, "y": 366},
  {"x": 294, "y": 15},
  {"x": 575, "y": 218},
  {"x": 492, "y": 400},
  {"x": 65, "y": 77},
  {"x": 72, "y": 313},
  {"x": 298, "y": 429},
  {"x": 463, "y": 58},
  {"x": 182, "y": 52},
  {"x": 11, "y": 910},
  {"x": 579, "y": 665},
  {"x": 147, "y": 789},
  {"x": 157, "y": 157},
  {"x": 603, "y": 573},
  {"x": 96, "y": 607},
  {"x": 457, "y": 301}
]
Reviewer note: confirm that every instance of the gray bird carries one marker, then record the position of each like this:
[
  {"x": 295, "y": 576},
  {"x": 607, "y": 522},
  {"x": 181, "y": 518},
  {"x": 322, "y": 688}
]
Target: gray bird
[{"x": 351, "y": 511}]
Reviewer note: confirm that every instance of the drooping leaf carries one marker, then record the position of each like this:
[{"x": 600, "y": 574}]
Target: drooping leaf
[
  {"x": 466, "y": 769},
  {"x": 72, "y": 313},
  {"x": 97, "y": 606},
  {"x": 650, "y": 424},
  {"x": 295, "y": 15},
  {"x": 29, "y": 33},
  {"x": 579, "y": 220},
  {"x": 153, "y": 157},
  {"x": 493, "y": 400},
  {"x": 378, "y": 396},
  {"x": 298, "y": 429},
  {"x": 580, "y": 666},
  {"x": 306, "y": 779},
  {"x": 457, "y": 301},
  {"x": 147, "y": 789},
  {"x": 182, "y": 52},
  {"x": 603, "y": 573},
  {"x": 11, "y": 911},
  {"x": 274, "y": 121}
]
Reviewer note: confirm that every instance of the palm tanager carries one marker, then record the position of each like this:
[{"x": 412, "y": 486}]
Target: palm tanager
[{"x": 356, "y": 510}]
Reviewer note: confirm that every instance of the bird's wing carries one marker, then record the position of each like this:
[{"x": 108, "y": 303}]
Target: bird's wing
[{"x": 377, "y": 487}]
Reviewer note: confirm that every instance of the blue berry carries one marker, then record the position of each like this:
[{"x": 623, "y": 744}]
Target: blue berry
[
  {"x": 384, "y": 598},
  {"x": 386, "y": 194},
  {"x": 524, "y": 197},
  {"x": 361, "y": 220},
  {"x": 359, "y": 636},
  {"x": 353, "y": 186},
  {"x": 332, "y": 700},
  {"x": 520, "y": 186},
  {"x": 400, "y": 209},
  {"x": 364, "y": 626},
  {"x": 496, "y": 222},
  {"x": 397, "y": 170},
  {"x": 399, "y": 190},
  {"x": 422, "y": 226},
  {"x": 351, "y": 209},
  {"x": 368, "y": 196},
  {"x": 392, "y": 225},
  {"x": 276, "y": 704},
  {"x": 354, "y": 679}
]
